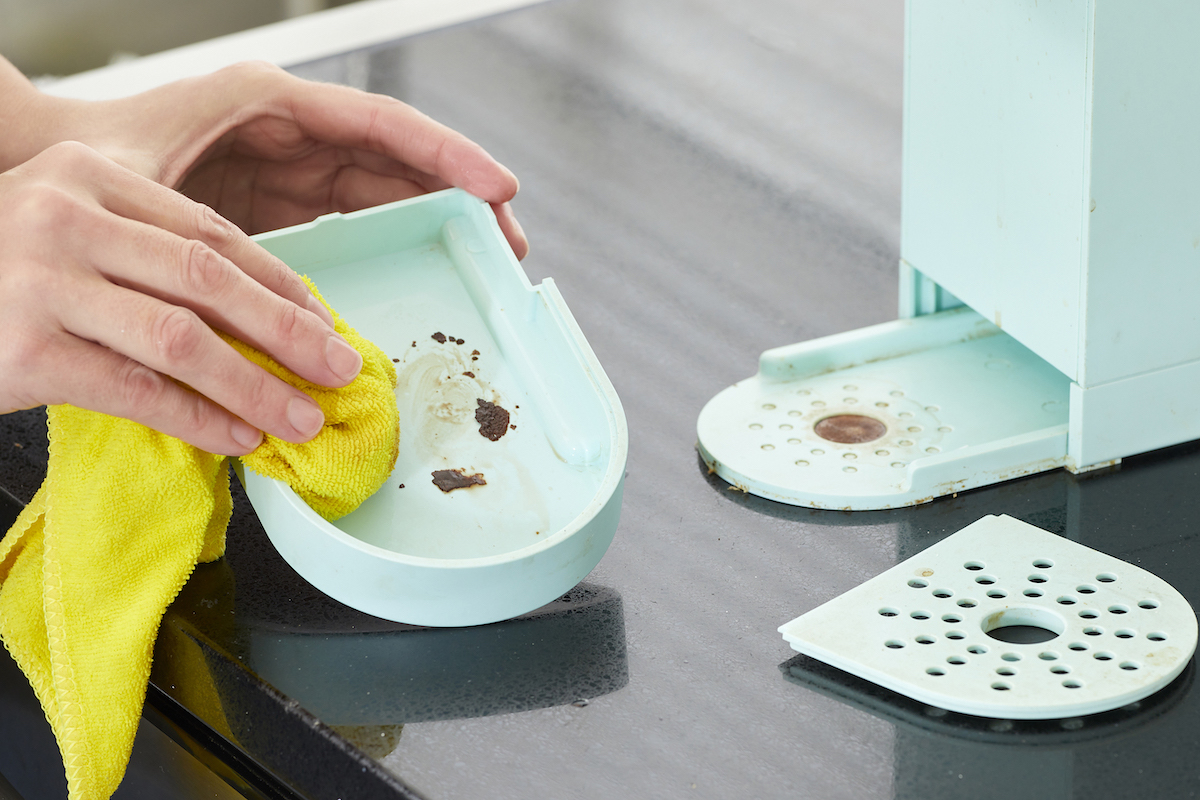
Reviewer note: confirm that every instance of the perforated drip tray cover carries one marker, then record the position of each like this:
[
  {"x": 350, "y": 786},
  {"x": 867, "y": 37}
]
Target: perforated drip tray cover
[{"x": 940, "y": 627}]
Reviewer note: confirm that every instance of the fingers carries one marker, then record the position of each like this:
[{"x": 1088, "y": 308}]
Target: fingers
[
  {"x": 163, "y": 245},
  {"x": 267, "y": 101},
  {"x": 355, "y": 187},
  {"x": 511, "y": 229},
  {"x": 135, "y": 198},
  {"x": 269, "y": 149},
  {"x": 189, "y": 274},
  {"x": 139, "y": 296},
  {"x": 174, "y": 341},
  {"x": 56, "y": 367},
  {"x": 115, "y": 385},
  {"x": 376, "y": 124},
  {"x": 422, "y": 153},
  {"x": 367, "y": 182}
]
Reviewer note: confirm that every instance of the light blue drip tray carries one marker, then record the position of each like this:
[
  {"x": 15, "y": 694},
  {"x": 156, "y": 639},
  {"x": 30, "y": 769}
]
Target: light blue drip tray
[
  {"x": 433, "y": 283},
  {"x": 888, "y": 416}
]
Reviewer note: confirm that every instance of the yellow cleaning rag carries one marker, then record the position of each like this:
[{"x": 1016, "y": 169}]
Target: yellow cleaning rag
[{"x": 122, "y": 518}]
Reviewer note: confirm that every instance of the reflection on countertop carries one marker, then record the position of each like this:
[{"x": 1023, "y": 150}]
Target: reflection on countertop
[{"x": 364, "y": 678}]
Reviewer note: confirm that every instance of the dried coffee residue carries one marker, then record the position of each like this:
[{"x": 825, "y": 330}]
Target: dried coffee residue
[
  {"x": 450, "y": 479},
  {"x": 439, "y": 337},
  {"x": 492, "y": 419}
]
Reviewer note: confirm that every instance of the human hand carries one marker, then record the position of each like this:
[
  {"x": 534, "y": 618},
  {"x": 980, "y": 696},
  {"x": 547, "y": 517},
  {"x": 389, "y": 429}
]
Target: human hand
[
  {"x": 108, "y": 330},
  {"x": 266, "y": 149},
  {"x": 112, "y": 285}
]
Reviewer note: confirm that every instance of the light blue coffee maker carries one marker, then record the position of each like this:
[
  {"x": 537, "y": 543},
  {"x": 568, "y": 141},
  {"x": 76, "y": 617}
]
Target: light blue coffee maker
[{"x": 1049, "y": 272}]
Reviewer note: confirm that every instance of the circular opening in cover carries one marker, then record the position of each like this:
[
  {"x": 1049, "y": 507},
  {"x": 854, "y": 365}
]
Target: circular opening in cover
[
  {"x": 1023, "y": 625},
  {"x": 850, "y": 429}
]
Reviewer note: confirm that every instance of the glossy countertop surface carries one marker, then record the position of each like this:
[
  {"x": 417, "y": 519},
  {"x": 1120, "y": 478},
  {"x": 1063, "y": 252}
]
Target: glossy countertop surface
[{"x": 703, "y": 181}]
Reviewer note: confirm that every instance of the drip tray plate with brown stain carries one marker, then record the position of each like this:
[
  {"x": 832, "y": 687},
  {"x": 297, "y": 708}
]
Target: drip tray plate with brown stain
[
  {"x": 889, "y": 416},
  {"x": 513, "y": 443}
]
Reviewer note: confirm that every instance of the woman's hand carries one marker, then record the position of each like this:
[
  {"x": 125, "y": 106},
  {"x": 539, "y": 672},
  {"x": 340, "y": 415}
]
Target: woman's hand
[
  {"x": 113, "y": 283},
  {"x": 266, "y": 149},
  {"x": 111, "y": 286}
]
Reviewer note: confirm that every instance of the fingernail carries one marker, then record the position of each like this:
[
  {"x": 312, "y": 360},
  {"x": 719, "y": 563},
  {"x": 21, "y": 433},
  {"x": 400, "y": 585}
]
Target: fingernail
[
  {"x": 318, "y": 308},
  {"x": 305, "y": 416},
  {"x": 343, "y": 360},
  {"x": 247, "y": 436}
]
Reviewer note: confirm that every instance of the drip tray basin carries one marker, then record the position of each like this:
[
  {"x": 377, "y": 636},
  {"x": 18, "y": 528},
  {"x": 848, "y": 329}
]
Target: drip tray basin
[{"x": 513, "y": 442}]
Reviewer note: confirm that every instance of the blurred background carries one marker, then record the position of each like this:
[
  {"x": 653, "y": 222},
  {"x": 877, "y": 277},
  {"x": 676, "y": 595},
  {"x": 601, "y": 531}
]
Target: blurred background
[{"x": 62, "y": 37}]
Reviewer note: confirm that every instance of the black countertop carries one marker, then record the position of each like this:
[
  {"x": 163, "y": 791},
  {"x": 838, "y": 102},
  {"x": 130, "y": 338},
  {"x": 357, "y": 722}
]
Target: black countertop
[{"x": 704, "y": 181}]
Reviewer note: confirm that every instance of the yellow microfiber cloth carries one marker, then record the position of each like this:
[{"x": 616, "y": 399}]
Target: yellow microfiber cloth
[{"x": 122, "y": 518}]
